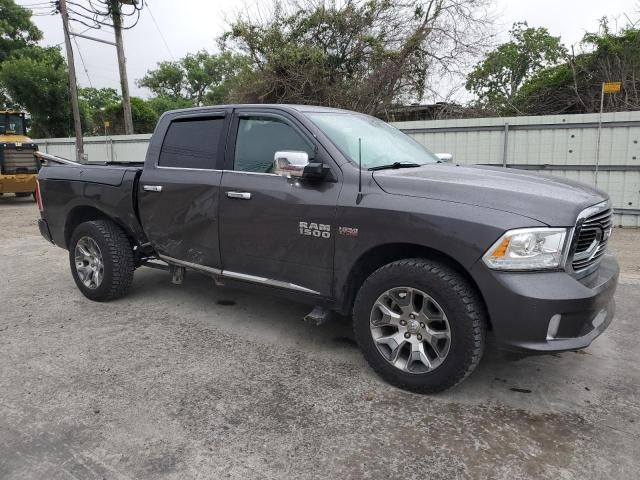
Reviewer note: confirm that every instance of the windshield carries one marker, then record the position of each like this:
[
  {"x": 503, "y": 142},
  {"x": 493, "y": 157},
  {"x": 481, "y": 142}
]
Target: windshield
[
  {"x": 12, "y": 123},
  {"x": 382, "y": 144}
]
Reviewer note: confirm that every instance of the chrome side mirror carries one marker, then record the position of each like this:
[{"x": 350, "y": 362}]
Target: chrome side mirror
[
  {"x": 445, "y": 157},
  {"x": 290, "y": 163}
]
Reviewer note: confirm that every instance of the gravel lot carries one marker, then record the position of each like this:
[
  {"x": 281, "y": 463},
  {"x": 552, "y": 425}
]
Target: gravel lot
[{"x": 204, "y": 382}]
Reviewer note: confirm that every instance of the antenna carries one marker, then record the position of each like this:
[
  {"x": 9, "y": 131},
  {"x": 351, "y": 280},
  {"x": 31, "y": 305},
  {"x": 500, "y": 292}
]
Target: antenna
[{"x": 359, "y": 197}]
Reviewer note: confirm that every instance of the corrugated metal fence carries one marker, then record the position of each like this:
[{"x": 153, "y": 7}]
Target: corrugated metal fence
[
  {"x": 119, "y": 148},
  {"x": 564, "y": 145}
]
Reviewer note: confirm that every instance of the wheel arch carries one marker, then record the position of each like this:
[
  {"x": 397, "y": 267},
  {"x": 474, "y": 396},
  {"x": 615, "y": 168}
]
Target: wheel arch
[
  {"x": 381, "y": 255},
  {"x": 87, "y": 213}
]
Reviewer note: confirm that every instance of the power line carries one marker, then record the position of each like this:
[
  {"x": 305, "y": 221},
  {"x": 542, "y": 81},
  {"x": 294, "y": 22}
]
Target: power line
[
  {"x": 160, "y": 32},
  {"x": 84, "y": 65}
]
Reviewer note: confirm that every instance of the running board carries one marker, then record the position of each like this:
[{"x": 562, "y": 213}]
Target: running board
[{"x": 220, "y": 275}]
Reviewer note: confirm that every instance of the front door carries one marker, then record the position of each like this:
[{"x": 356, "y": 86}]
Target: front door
[
  {"x": 179, "y": 197},
  {"x": 276, "y": 230}
]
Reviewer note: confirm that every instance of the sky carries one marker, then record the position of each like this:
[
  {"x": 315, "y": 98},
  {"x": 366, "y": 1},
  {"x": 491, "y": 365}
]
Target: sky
[{"x": 185, "y": 26}]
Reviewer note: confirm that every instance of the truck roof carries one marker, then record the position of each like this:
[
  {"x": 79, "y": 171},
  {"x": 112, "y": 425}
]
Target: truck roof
[{"x": 279, "y": 106}]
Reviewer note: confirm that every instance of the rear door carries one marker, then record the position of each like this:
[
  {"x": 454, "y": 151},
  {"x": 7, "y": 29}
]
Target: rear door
[
  {"x": 275, "y": 230},
  {"x": 179, "y": 195}
]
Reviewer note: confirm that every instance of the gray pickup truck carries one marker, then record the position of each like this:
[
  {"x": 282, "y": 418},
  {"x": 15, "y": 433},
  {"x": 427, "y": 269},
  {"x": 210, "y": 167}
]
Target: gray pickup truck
[{"x": 346, "y": 213}]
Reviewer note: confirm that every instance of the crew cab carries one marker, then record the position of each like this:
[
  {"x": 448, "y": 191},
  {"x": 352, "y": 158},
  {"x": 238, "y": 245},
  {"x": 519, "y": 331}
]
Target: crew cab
[{"x": 348, "y": 214}]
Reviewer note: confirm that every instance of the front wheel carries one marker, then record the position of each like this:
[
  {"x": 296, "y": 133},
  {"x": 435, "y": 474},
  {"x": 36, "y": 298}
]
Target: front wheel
[
  {"x": 101, "y": 260},
  {"x": 420, "y": 325}
]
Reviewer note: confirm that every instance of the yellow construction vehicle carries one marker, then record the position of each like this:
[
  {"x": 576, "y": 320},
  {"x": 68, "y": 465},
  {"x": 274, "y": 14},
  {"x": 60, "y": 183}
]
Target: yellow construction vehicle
[{"x": 18, "y": 166}]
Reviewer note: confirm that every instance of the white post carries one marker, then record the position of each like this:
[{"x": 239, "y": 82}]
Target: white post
[{"x": 599, "y": 134}]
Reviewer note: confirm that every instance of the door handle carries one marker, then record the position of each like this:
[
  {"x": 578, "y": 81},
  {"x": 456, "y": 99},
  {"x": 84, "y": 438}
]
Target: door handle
[
  {"x": 152, "y": 188},
  {"x": 239, "y": 195}
]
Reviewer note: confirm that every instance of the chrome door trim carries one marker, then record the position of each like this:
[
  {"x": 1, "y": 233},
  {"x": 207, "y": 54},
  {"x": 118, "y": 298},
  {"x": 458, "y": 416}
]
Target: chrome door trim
[
  {"x": 152, "y": 188},
  {"x": 238, "y": 276},
  {"x": 242, "y": 172},
  {"x": 160, "y": 167},
  {"x": 239, "y": 195},
  {"x": 266, "y": 281}
]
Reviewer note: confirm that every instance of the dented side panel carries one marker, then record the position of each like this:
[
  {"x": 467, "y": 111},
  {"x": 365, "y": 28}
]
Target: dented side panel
[{"x": 181, "y": 221}]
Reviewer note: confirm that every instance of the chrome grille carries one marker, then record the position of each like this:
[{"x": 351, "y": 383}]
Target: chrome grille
[
  {"x": 18, "y": 161},
  {"x": 592, "y": 238}
]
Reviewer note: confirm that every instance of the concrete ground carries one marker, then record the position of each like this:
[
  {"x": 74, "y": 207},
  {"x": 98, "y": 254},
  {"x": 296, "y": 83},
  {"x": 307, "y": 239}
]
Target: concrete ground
[{"x": 201, "y": 382}]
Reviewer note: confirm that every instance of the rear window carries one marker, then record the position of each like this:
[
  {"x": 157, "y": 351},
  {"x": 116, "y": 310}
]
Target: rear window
[{"x": 192, "y": 143}]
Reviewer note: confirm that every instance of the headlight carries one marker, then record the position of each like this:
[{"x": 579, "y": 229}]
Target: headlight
[{"x": 528, "y": 249}]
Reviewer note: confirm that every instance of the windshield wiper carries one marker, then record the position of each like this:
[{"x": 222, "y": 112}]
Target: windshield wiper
[{"x": 394, "y": 165}]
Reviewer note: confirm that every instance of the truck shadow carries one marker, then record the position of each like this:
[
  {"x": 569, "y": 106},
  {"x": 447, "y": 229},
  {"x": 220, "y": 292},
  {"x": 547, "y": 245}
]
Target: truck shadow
[{"x": 532, "y": 382}]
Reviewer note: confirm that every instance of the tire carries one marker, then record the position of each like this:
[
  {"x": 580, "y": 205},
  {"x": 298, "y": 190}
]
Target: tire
[
  {"x": 115, "y": 256},
  {"x": 447, "y": 297}
]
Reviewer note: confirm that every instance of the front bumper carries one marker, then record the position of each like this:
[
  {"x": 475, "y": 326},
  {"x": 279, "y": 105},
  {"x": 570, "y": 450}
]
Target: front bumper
[
  {"x": 18, "y": 183},
  {"x": 521, "y": 306}
]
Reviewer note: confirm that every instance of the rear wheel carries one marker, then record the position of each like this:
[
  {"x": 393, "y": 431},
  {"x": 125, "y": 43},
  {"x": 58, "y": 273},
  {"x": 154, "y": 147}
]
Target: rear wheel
[
  {"x": 420, "y": 325},
  {"x": 101, "y": 260}
]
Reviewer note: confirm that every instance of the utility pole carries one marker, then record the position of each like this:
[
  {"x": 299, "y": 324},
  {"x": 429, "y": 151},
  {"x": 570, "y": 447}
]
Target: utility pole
[
  {"x": 73, "y": 87},
  {"x": 122, "y": 61}
]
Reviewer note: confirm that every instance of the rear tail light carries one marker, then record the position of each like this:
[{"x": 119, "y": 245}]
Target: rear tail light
[{"x": 39, "y": 197}]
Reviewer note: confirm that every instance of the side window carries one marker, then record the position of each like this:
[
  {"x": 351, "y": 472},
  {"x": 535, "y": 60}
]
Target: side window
[
  {"x": 191, "y": 143},
  {"x": 259, "y": 138}
]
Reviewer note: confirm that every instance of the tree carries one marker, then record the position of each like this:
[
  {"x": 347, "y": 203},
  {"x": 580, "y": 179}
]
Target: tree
[
  {"x": 144, "y": 117},
  {"x": 17, "y": 31},
  {"x": 98, "y": 98},
  {"x": 362, "y": 55},
  {"x": 162, "y": 104},
  {"x": 166, "y": 81},
  {"x": 498, "y": 78},
  {"x": 36, "y": 78},
  {"x": 199, "y": 77},
  {"x": 575, "y": 86},
  {"x": 93, "y": 102}
]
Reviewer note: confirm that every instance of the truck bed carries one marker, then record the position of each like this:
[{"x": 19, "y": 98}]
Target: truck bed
[{"x": 70, "y": 192}]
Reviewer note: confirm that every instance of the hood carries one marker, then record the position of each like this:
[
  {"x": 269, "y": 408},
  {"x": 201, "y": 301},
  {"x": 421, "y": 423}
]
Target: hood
[{"x": 551, "y": 200}]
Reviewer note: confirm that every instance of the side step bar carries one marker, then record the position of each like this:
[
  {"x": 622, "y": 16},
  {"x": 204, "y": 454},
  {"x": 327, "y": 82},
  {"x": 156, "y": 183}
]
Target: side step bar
[{"x": 221, "y": 275}]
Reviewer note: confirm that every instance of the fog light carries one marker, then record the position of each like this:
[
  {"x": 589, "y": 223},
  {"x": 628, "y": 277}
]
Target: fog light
[{"x": 554, "y": 324}]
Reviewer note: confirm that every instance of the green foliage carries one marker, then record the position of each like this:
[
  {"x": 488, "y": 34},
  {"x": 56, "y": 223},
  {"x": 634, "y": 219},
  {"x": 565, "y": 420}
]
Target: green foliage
[
  {"x": 321, "y": 55},
  {"x": 199, "y": 78},
  {"x": 162, "y": 104},
  {"x": 362, "y": 55},
  {"x": 575, "y": 86},
  {"x": 166, "y": 81},
  {"x": 497, "y": 79},
  {"x": 36, "y": 78},
  {"x": 98, "y": 98},
  {"x": 144, "y": 117},
  {"x": 93, "y": 102},
  {"x": 17, "y": 31}
]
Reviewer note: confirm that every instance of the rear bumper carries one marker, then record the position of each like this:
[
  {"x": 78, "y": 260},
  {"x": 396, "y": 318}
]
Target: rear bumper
[
  {"x": 44, "y": 230},
  {"x": 525, "y": 308},
  {"x": 18, "y": 183}
]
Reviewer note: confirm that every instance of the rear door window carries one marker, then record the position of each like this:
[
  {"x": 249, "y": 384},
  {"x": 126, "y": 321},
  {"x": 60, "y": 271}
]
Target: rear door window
[{"x": 192, "y": 143}]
